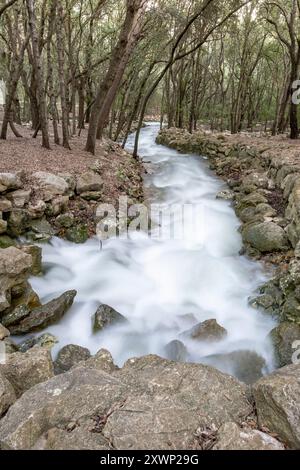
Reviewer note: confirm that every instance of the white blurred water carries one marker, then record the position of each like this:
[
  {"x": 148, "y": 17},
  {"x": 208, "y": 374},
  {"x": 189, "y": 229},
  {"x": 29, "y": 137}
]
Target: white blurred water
[{"x": 156, "y": 284}]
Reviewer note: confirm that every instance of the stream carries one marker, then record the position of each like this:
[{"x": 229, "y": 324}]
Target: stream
[{"x": 162, "y": 285}]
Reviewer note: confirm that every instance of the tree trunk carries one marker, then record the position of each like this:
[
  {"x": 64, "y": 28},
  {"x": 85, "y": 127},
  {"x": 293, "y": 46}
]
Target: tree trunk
[{"x": 37, "y": 65}]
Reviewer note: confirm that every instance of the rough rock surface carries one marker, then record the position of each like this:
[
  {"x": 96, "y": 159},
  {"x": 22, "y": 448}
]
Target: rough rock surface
[
  {"x": 118, "y": 410},
  {"x": 89, "y": 181},
  {"x": 284, "y": 338},
  {"x": 277, "y": 399},
  {"x": 105, "y": 316},
  {"x": 265, "y": 237},
  {"x": 248, "y": 366},
  {"x": 208, "y": 330},
  {"x": 233, "y": 437},
  {"x": 24, "y": 370},
  {"x": 7, "y": 394},
  {"x": 69, "y": 356},
  {"x": 51, "y": 185},
  {"x": 176, "y": 351},
  {"x": 46, "y": 315}
]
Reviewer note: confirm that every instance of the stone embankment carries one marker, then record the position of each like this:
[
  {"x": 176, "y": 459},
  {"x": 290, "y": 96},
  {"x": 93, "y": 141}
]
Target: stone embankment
[{"x": 263, "y": 177}]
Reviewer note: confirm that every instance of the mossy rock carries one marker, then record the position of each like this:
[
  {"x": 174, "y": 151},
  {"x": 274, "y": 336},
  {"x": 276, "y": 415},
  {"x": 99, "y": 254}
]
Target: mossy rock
[{"x": 77, "y": 234}]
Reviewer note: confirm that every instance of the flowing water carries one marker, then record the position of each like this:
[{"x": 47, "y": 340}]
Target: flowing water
[{"x": 163, "y": 286}]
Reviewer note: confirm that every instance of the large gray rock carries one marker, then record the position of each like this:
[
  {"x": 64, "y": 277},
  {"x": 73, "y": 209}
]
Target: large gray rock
[
  {"x": 89, "y": 181},
  {"x": 208, "y": 330},
  {"x": 24, "y": 370},
  {"x": 106, "y": 316},
  {"x": 7, "y": 394},
  {"x": 150, "y": 403},
  {"x": 9, "y": 181},
  {"x": 50, "y": 185},
  {"x": 46, "y": 340},
  {"x": 277, "y": 400},
  {"x": 69, "y": 356},
  {"x": 246, "y": 365},
  {"x": 176, "y": 351},
  {"x": 265, "y": 237},
  {"x": 15, "y": 267},
  {"x": 46, "y": 315},
  {"x": 233, "y": 437},
  {"x": 283, "y": 338},
  {"x": 4, "y": 333}
]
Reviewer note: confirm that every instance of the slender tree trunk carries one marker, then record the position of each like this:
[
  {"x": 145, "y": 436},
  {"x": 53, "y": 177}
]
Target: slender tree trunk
[
  {"x": 37, "y": 64},
  {"x": 62, "y": 77}
]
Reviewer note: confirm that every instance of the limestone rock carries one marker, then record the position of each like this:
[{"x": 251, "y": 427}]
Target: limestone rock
[
  {"x": 36, "y": 254},
  {"x": 46, "y": 340},
  {"x": 77, "y": 234},
  {"x": 4, "y": 333},
  {"x": 13, "y": 261},
  {"x": 69, "y": 356},
  {"x": 46, "y": 315},
  {"x": 89, "y": 181},
  {"x": 247, "y": 366},
  {"x": 106, "y": 316},
  {"x": 51, "y": 185},
  {"x": 122, "y": 406},
  {"x": 20, "y": 197},
  {"x": 9, "y": 181},
  {"x": 7, "y": 394},
  {"x": 233, "y": 437},
  {"x": 265, "y": 237},
  {"x": 5, "y": 205},
  {"x": 208, "y": 330},
  {"x": 283, "y": 337},
  {"x": 24, "y": 370},
  {"x": 176, "y": 351},
  {"x": 277, "y": 400}
]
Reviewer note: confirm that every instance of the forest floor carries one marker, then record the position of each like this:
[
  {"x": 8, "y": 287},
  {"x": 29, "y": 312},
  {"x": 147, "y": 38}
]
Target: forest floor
[{"x": 121, "y": 172}]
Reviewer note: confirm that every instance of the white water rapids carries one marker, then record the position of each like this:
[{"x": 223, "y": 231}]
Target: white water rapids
[{"x": 163, "y": 287}]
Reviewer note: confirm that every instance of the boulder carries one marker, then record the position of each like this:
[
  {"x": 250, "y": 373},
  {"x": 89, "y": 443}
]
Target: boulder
[
  {"x": 65, "y": 220},
  {"x": 3, "y": 226},
  {"x": 176, "y": 351},
  {"x": 247, "y": 366},
  {"x": 118, "y": 409},
  {"x": 58, "y": 205},
  {"x": 7, "y": 394},
  {"x": 14, "y": 270},
  {"x": 46, "y": 315},
  {"x": 36, "y": 254},
  {"x": 36, "y": 210},
  {"x": 50, "y": 185},
  {"x": 19, "y": 198},
  {"x": 208, "y": 330},
  {"x": 89, "y": 181},
  {"x": 106, "y": 316},
  {"x": 69, "y": 356},
  {"x": 9, "y": 181},
  {"x": 277, "y": 400},
  {"x": 102, "y": 360},
  {"x": 18, "y": 222},
  {"x": 77, "y": 234},
  {"x": 265, "y": 237},
  {"x": 91, "y": 195},
  {"x": 14, "y": 262},
  {"x": 6, "y": 241},
  {"x": 4, "y": 333},
  {"x": 283, "y": 338},
  {"x": 226, "y": 195},
  {"x": 24, "y": 370},
  {"x": 233, "y": 437},
  {"x": 46, "y": 340},
  {"x": 5, "y": 205}
]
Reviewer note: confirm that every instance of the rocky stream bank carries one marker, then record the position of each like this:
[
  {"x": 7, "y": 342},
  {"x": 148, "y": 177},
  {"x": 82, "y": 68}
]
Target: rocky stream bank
[{"x": 80, "y": 401}]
